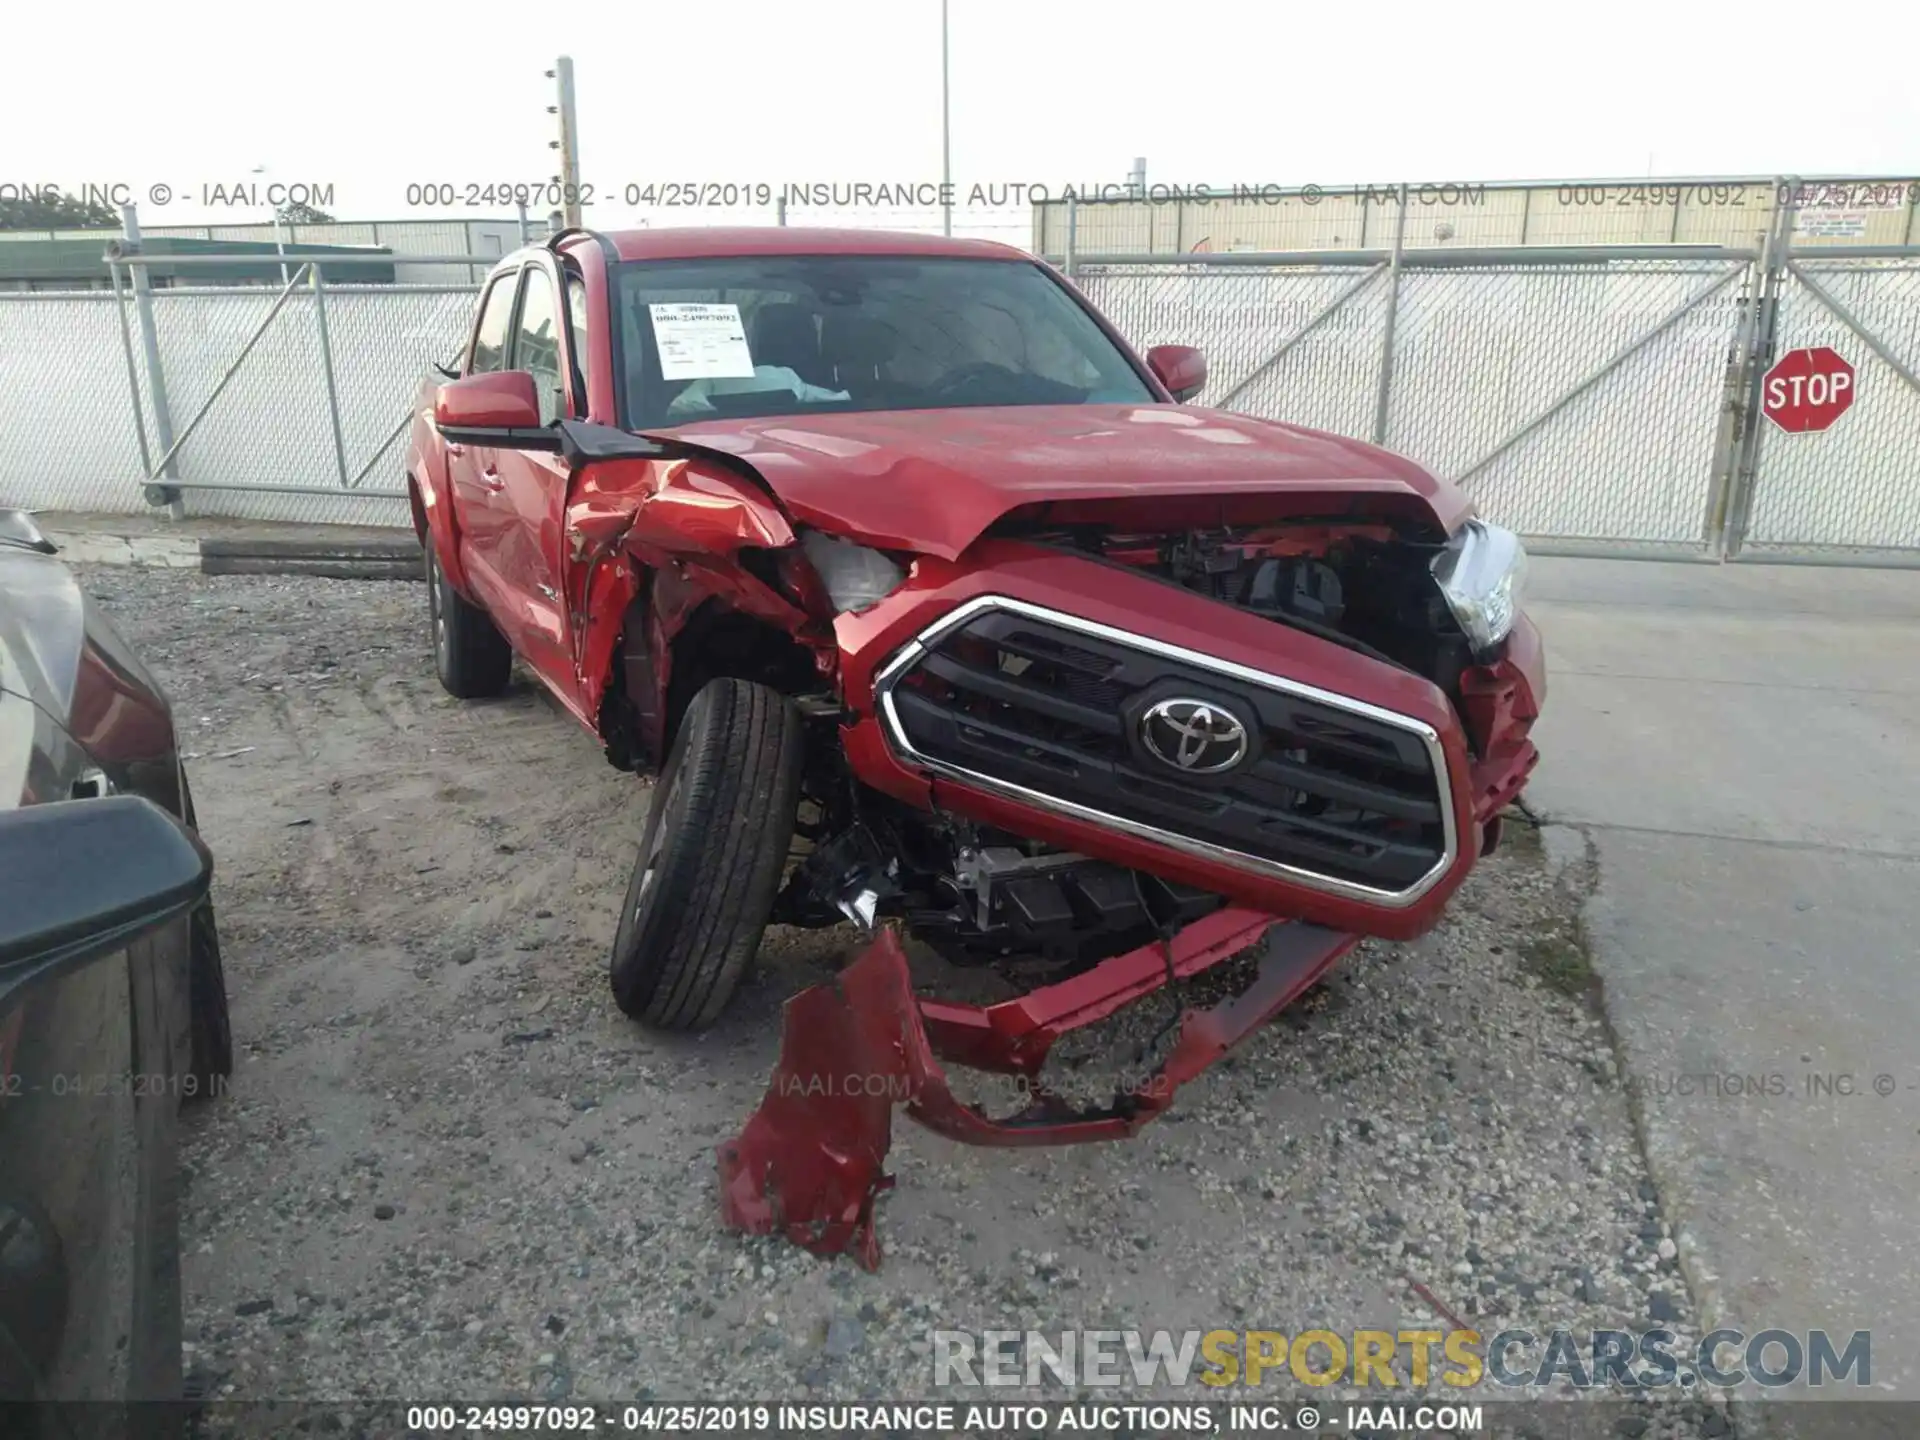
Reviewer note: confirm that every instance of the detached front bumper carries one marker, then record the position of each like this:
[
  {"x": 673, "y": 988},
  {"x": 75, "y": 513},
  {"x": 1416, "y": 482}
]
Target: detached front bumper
[{"x": 810, "y": 1163}]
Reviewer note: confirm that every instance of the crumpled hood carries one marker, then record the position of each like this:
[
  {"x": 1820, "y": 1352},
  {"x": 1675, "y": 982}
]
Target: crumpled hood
[{"x": 933, "y": 481}]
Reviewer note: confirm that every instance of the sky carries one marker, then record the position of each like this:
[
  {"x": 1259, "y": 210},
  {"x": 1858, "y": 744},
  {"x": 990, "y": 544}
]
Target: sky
[{"x": 368, "y": 99}]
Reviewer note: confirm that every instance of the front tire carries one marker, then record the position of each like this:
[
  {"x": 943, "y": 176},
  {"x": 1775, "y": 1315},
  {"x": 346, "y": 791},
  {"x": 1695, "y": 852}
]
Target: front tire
[
  {"x": 470, "y": 655},
  {"x": 711, "y": 856}
]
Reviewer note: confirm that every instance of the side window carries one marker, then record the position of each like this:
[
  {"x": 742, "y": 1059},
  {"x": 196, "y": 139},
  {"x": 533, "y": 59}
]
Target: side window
[
  {"x": 536, "y": 344},
  {"x": 490, "y": 337}
]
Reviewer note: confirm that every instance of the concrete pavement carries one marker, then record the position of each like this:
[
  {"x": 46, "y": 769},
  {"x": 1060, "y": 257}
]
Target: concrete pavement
[{"x": 1742, "y": 746}]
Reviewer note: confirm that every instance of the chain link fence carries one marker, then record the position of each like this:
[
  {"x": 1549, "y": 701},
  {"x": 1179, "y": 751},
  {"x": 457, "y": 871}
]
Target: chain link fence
[
  {"x": 286, "y": 404},
  {"x": 66, "y": 432},
  {"x": 1577, "y": 402},
  {"x": 1298, "y": 344},
  {"x": 1574, "y": 402},
  {"x": 1593, "y": 399},
  {"x": 269, "y": 429}
]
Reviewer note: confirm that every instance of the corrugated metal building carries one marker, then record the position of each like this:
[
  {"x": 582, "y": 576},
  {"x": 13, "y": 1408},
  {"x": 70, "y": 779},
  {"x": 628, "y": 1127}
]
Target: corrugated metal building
[
  {"x": 486, "y": 238},
  {"x": 73, "y": 260}
]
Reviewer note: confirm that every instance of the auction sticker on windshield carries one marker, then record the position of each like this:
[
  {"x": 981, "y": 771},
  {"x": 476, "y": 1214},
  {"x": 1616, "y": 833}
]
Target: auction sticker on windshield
[{"x": 701, "y": 342}]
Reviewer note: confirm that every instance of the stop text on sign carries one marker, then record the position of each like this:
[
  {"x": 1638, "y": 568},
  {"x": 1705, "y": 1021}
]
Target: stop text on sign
[
  {"x": 1807, "y": 390},
  {"x": 1792, "y": 390}
]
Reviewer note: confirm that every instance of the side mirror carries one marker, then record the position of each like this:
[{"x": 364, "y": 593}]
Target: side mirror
[
  {"x": 18, "y": 527},
  {"x": 1181, "y": 368},
  {"x": 79, "y": 877},
  {"x": 499, "y": 409}
]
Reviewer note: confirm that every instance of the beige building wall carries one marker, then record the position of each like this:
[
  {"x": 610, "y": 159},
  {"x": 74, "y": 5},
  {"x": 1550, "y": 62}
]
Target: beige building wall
[{"x": 1173, "y": 220}]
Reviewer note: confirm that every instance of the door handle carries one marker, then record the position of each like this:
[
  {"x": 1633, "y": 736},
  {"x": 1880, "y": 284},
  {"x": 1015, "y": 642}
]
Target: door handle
[
  {"x": 455, "y": 450},
  {"x": 491, "y": 479},
  {"x": 90, "y": 785}
]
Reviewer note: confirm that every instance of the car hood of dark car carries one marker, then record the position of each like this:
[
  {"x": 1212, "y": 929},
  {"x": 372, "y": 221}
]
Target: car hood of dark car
[
  {"x": 60, "y": 656},
  {"x": 933, "y": 481},
  {"x": 43, "y": 627}
]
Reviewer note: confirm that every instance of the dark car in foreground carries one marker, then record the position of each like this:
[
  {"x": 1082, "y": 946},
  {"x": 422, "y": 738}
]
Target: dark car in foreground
[{"x": 113, "y": 1009}]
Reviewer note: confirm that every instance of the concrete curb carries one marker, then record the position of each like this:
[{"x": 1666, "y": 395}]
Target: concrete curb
[
  {"x": 178, "y": 552},
  {"x": 1677, "y": 1199},
  {"x": 358, "y": 559}
]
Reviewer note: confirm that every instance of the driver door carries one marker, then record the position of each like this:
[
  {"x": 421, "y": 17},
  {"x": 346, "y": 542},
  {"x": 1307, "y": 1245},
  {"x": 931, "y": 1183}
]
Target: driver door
[{"x": 473, "y": 470}]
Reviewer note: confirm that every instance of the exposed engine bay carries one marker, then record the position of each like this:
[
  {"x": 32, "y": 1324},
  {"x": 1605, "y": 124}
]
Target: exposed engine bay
[
  {"x": 977, "y": 895},
  {"x": 1363, "y": 586}
]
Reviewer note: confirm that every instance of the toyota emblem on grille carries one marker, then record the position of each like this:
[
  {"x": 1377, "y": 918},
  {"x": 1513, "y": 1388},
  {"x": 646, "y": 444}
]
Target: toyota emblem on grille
[{"x": 1193, "y": 735}]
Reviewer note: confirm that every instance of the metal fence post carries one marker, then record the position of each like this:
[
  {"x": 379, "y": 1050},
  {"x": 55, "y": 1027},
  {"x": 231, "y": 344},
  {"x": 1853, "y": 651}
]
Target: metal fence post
[
  {"x": 1775, "y": 249},
  {"x": 1728, "y": 444},
  {"x": 1383, "y": 397},
  {"x": 1073, "y": 231},
  {"x": 133, "y": 370},
  {"x": 156, "y": 377},
  {"x": 326, "y": 370}
]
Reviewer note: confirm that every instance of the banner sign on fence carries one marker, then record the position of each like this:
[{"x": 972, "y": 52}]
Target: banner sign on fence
[{"x": 1827, "y": 223}]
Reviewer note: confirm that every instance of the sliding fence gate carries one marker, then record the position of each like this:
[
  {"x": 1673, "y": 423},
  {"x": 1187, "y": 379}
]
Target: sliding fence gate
[
  {"x": 1853, "y": 489},
  {"x": 1608, "y": 401}
]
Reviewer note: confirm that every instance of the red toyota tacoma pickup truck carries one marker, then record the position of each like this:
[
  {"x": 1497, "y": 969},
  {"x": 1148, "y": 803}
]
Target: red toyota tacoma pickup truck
[{"x": 928, "y": 599}]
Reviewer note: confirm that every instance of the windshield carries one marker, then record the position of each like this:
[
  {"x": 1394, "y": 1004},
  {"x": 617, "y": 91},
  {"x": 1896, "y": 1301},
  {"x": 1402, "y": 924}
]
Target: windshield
[{"x": 803, "y": 334}]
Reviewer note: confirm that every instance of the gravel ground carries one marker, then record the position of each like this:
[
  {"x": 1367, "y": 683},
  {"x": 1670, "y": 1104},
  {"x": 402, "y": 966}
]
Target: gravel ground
[{"x": 448, "y": 1167}]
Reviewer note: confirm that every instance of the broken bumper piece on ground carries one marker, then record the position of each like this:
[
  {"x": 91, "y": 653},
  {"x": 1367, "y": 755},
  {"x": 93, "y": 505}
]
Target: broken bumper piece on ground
[{"x": 810, "y": 1162}]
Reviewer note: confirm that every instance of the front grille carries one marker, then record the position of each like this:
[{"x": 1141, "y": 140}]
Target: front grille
[{"x": 1020, "y": 697}]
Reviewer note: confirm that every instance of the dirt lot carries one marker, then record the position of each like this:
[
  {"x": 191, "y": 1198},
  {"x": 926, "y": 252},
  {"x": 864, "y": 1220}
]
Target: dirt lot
[{"x": 448, "y": 1167}]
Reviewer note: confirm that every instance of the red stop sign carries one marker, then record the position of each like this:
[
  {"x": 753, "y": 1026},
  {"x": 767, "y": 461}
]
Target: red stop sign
[{"x": 1807, "y": 390}]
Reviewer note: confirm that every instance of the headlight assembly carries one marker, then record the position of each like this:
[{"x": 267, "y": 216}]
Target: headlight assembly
[
  {"x": 855, "y": 577},
  {"x": 1481, "y": 572}
]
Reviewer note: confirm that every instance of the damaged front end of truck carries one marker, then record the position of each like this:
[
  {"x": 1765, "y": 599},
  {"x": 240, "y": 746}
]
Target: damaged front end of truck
[{"x": 1110, "y": 740}]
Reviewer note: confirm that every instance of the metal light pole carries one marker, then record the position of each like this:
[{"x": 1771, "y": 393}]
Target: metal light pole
[
  {"x": 279, "y": 243},
  {"x": 569, "y": 142},
  {"x": 946, "y": 133}
]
